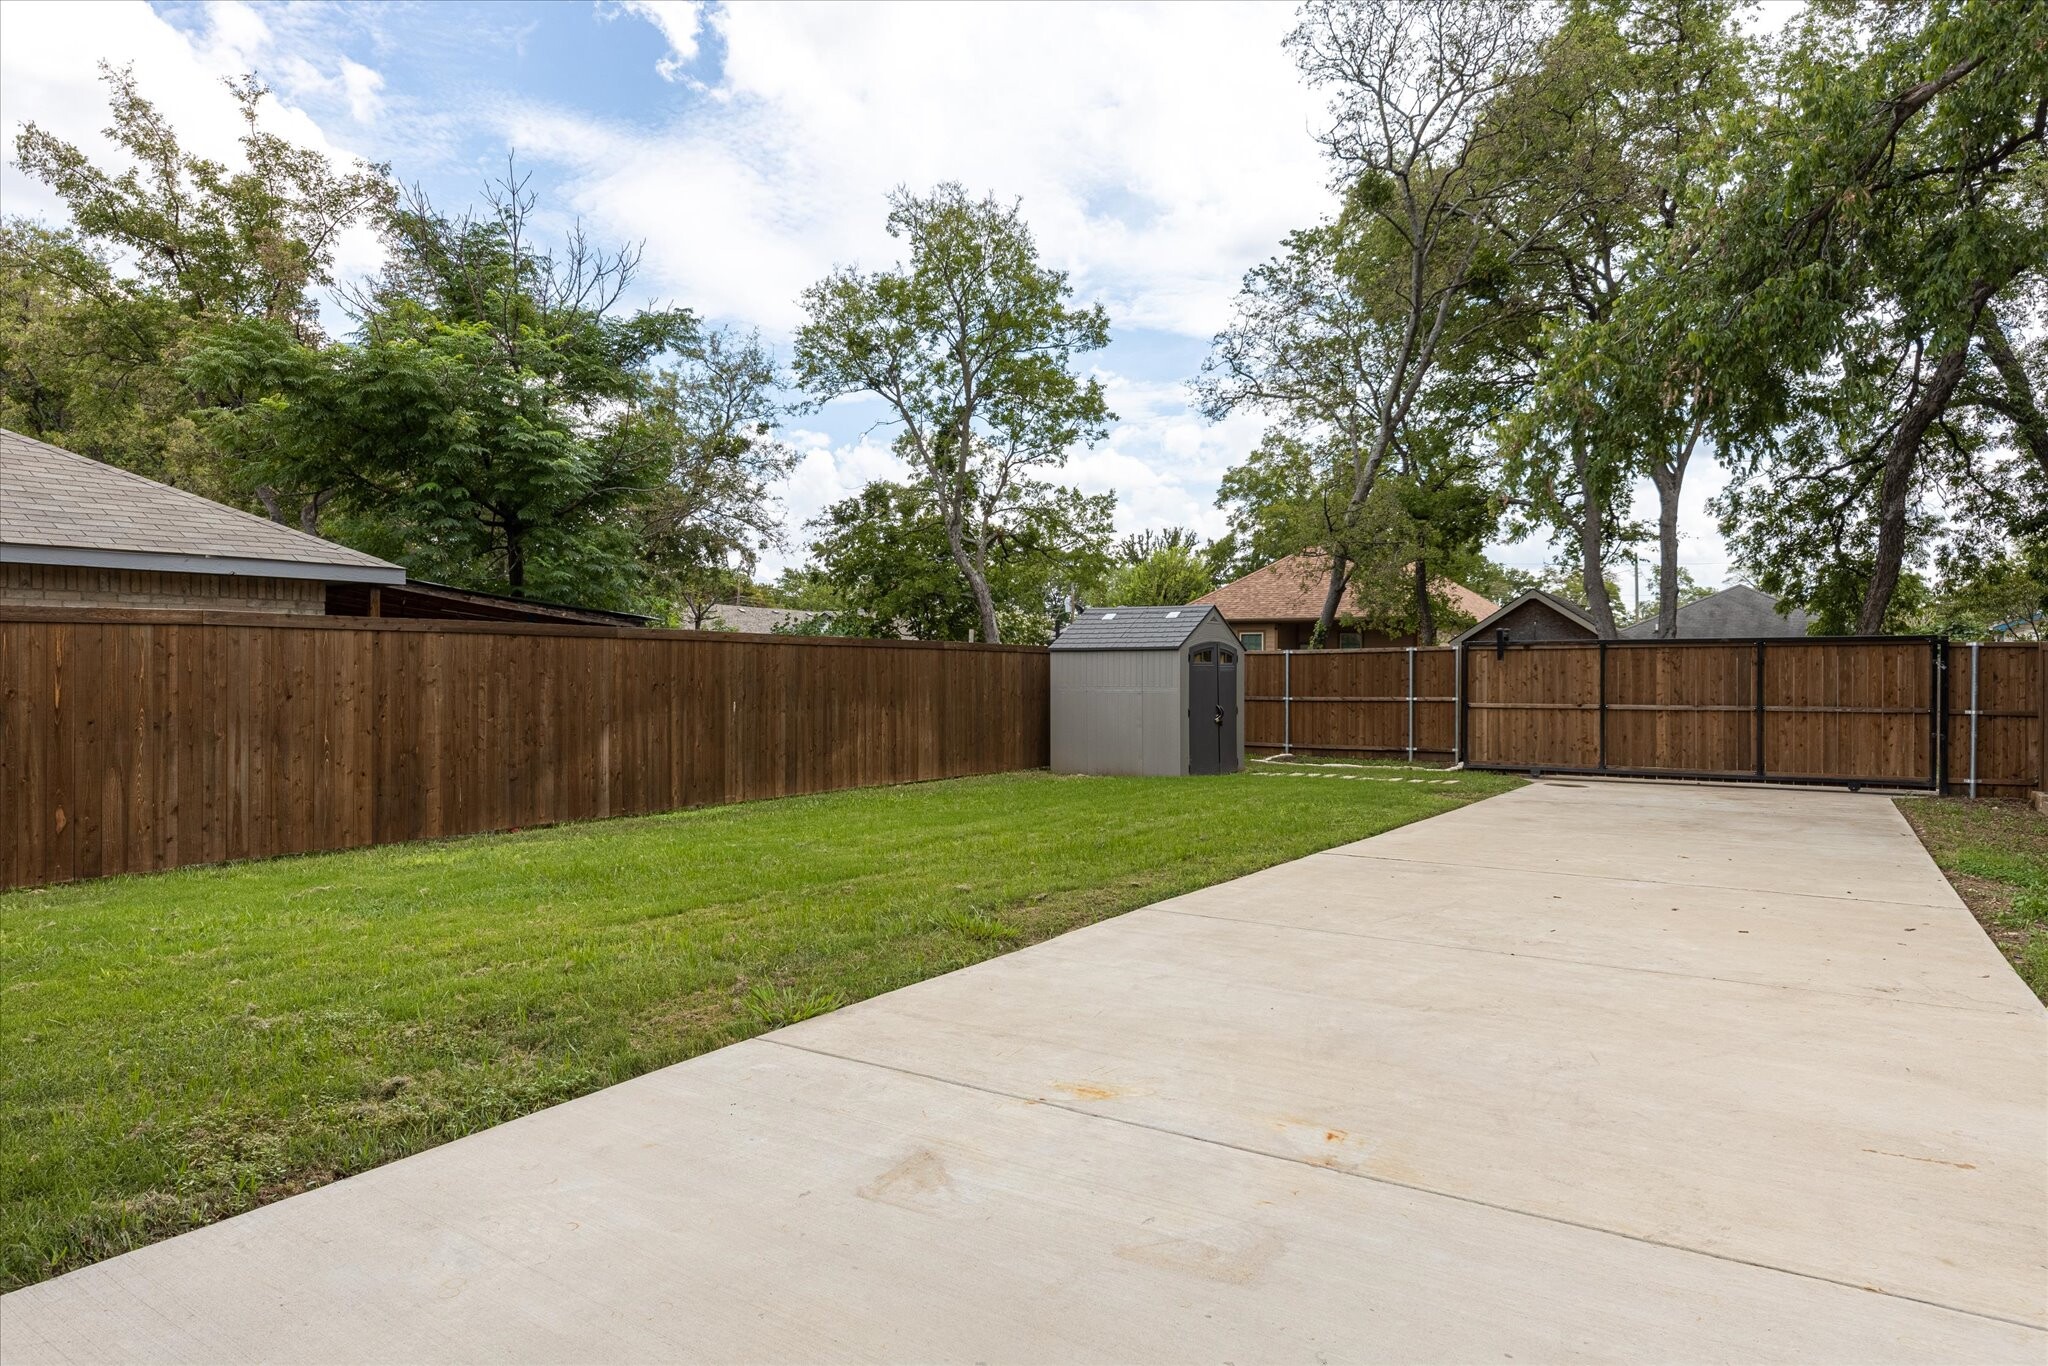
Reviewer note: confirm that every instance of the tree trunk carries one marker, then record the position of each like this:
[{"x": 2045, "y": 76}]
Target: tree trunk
[
  {"x": 2021, "y": 404},
  {"x": 1425, "y": 614},
  {"x": 1669, "y": 480},
  {"x": 1669, "y": 477},
  {"x": 977, "y": 582},
  {"x": 515, "y": 558},
  {"x": 1326, "y": 623},
  {"x": 1593, "y": 545},
  {"x": 1901, "y": 462},
  {"x": 310, "y": 510}
]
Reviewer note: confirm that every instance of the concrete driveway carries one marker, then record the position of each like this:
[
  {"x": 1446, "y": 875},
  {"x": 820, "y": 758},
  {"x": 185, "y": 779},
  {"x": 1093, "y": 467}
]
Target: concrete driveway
[{"x": 1591, "y": 1071}]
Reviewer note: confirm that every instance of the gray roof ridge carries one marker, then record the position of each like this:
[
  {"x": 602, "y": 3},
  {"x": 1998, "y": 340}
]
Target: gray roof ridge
[{"x": 147, "y": 491}]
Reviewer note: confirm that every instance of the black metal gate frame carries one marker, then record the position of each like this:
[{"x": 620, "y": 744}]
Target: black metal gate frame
[{"x": 1937, "y": 719}]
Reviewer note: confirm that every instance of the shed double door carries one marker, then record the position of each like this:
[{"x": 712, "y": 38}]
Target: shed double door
[{"x": 1212, "y": 710}]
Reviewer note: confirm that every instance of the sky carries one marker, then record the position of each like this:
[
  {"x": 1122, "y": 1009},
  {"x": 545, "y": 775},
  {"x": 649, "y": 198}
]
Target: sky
[{"x": 1159, "y": 152}]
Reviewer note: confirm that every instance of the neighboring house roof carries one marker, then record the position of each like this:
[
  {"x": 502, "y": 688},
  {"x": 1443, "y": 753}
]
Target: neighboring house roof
[
  {"x": 1737, "y": 613},
  {"x": 417, "y": 599},
  {"x": 60, "y": 508},
  {"x": 1564, "y": 607},
  {"x": 739, "y": 617},
  {"x": 1133, "y": 628},
  {"x": 1292, "y": 589}
]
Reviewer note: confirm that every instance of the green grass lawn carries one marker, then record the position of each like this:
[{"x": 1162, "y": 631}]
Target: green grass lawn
[
  {"x": 183, "y": 1046},
  {"x": 1996, "y": 856}
]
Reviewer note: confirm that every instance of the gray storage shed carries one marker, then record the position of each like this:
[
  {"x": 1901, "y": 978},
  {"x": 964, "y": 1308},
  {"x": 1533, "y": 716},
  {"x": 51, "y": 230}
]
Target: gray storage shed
[{"x": 1147, "y": 690}]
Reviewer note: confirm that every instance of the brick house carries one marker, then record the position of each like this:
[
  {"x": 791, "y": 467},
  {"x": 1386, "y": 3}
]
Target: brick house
[{"x": 1275, "y": 608}]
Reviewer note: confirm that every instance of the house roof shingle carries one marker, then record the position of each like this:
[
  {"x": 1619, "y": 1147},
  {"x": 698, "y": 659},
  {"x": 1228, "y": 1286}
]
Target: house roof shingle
[
  {"x": 57, "y": 507},
  {"x": 1735, "y": 613},
  {"x": 760, "y": 620},
  {"x": 1292, "y": 589},
  {"x": 1132, "y": 628}
]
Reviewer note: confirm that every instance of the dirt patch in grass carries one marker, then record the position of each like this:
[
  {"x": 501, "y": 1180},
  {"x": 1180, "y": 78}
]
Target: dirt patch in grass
[{"x": 1995, "y": 854}]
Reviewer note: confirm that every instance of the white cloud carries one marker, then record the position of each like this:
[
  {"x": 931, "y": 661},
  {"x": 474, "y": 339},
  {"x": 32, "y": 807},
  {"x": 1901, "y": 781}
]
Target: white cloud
[
  {"x": 1162, "y": 458},
  {"x": 49, "y": 73},
  {"x": 679, "y": 21},
  {"x": 1158, "y": 151}
]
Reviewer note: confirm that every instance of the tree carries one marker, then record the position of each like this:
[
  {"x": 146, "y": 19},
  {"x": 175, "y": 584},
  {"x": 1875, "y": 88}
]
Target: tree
[
  {"x": 970, "y": 346},
  {"x": 159, "y": 257},
  {"x": 1891, "y": 201},
  {"x": 1616, "y": 388},
  {"x": 500, "y": 415},
  {"x": 1447, "y": 190},
  {"x": 247, "y": 243},
  {"x": 1163, "y": 567},
  {"x": 1422, "y": 527},
  {"x": 1687, "y": 589},
  {"x": 2001, "y": 596},
  {"x": 1276, "y": 501},
  {"x": 882, "y": 554},
  {"x": 702, "y": 525},
  {"x": 82, "y": 361}
]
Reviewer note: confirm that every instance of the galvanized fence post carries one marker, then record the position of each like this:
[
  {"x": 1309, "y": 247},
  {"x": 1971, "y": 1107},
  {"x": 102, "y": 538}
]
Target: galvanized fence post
[
  {"x": 1411, "y": 704},
  {"x": 1287, "y": 701},
  {"x": 1459, "y": 758},
  {"x": 1973, "y": 717}
]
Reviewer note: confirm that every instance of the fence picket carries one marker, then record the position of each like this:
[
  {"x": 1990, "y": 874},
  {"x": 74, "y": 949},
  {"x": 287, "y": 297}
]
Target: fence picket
[{"x": 126, "y": 732}]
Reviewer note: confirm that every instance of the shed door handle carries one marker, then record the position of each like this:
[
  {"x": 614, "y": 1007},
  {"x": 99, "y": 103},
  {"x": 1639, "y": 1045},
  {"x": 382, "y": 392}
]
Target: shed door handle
[{"x": 1219, "y": 716}]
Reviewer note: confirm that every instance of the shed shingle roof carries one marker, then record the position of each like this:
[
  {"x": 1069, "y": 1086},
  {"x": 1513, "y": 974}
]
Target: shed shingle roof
[
  {"x": 57, "y": 507},
  {"x": 1564, "y": 607},
  {"x": 1292, "y": 589},
  {"x": 1133, "y": 628}
]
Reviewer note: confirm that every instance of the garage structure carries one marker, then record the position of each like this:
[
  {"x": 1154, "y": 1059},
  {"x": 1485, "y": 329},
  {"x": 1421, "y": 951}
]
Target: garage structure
[{"x": 1154, "y": 691}]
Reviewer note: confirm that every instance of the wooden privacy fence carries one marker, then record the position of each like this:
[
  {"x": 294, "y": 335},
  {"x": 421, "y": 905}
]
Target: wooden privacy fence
[
  {"x": 1368, "y": 702},
  {"x": 1997, "y": 719},
  {"x": 137, "y": 741},
  {"x": 1891, "y": 711}
]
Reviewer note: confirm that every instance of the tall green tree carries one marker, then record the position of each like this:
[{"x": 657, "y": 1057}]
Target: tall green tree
[
  {"x": 1437, "y": 134},
  {"x": 501, "y": 415},
  {"x": 970, "y": 345},
  {"x": 703, "y": 523},
  {"x": 98, "y": 318},
  {"x": 1890, "y": 217},
  {"x": 1654, "y": 88},
  {"x": 1158, "y": 567},
  {"x": 882, "y": 556},
  {"x": 1276, "y": 503}
]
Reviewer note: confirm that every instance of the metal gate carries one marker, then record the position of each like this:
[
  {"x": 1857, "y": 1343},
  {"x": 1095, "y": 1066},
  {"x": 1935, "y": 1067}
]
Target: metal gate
[{"x": 1844, "y": 710}]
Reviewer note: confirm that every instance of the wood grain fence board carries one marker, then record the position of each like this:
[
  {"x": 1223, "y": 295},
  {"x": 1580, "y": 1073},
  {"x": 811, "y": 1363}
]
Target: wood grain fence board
[
  {"x": 131, "y": 741},
  {"x": 1682, "y": 707},
  {"x": 1849, "y": 711},
  {"x": 2009, "y": 730},
  {"x": 1350, "y": 701},
  {"x": 1533, "y": 706}
]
